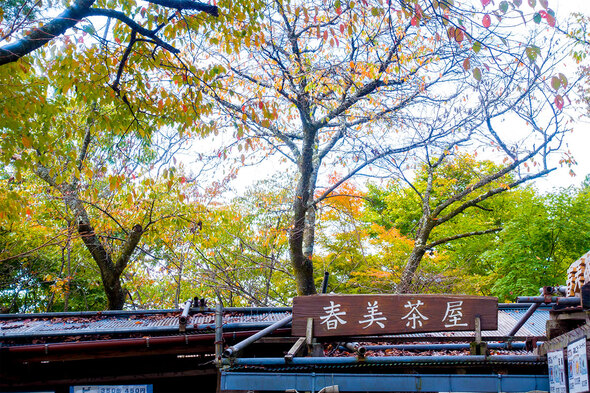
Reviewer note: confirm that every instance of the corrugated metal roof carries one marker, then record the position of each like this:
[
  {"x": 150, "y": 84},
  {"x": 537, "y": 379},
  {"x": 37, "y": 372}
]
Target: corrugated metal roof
[
  {"x": 125, "y": 323},
  {"x": 167, "y": 322}
]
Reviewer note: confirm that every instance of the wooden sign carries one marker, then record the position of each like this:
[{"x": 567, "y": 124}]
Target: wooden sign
[{"x": 352, "y": 315}]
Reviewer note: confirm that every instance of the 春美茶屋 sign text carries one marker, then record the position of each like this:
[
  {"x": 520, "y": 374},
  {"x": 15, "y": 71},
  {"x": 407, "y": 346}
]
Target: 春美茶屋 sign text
[{"x": 343, "y": 315}]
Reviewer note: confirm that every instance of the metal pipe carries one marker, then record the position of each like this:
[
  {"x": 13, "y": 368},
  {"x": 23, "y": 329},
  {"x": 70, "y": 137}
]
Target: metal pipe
[
  {"x": 565, "y": 301},
  {"x": 325, "y": 282},
  {"x": 241, "y": 345},
  {"x": 525, "y": 304},
  {"x": 146, "y": 330},
  {"x": 524, "y": 318},
  {"x": 183, "y": 319},
  {"x": 356, "y": 348},
  {"x": 58, "y": 348},
  {"x": 388, "y": 360},
  {"x": 218, "y": 333},
  {"x": 559, "y": 288},
  {"x": 438, "y": 347}
]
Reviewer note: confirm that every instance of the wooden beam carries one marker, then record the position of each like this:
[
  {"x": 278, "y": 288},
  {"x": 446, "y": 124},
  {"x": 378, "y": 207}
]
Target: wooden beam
[{"x": 295, "y": 349}]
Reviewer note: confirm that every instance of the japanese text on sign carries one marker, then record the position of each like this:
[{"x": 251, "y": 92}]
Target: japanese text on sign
[{"x": 385, "y": 314}]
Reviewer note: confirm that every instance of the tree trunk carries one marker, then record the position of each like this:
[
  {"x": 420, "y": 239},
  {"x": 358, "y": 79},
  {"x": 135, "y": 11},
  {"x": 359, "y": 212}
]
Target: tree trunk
[
  {"x": 301, "y": 259},
  {"x": 424, "y": 229},
  {"x": 412, "y": 265},
  {"x": 110, "y": 271},
  {"x": 300, "y": 237}
]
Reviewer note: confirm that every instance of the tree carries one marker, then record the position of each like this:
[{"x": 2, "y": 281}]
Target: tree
[
  {"x": 29, "y": 41},
  {"x": 365, "y": 85},
  {"x": 89, "y": 171},
  {"x": 69, "y": 86},
  {"x": 234, "y": 252},
  {"x": 540, "y": 236},
  {"x": 546, "y": 234},
  {"x": 452, "y": 198}
]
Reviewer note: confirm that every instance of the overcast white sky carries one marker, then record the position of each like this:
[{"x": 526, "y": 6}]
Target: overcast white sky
[{"x": 579, "y": 141}]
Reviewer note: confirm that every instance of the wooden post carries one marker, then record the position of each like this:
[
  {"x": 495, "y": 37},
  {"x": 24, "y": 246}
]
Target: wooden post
[
  {"x": 313, "y": 348},
  {"x": 478, "y": 347}
]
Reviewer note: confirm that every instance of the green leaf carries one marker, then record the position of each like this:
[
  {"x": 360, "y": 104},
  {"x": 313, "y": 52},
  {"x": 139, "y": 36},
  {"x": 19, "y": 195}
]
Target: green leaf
[
  {"x": 504, "y": 6},
  {"x": 476, "y": 46},
  {"x": 537, "y": 18},
  {"x": 89, "y": 29},
  {"x": 532, "y": 52},
  {"x": 562, "y": 80},
  {"x": 555, "y": 83},
  {"x": 477, "y": 73},
  {"x": 337, "y": 4},
  {"x": 517, "y": 3}
]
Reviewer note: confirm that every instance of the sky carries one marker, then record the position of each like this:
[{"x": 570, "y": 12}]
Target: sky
[{"x": 578, "y": 142}]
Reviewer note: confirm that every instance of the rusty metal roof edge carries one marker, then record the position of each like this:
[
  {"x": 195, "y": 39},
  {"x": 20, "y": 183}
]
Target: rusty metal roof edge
[
  {"x": 86, "y": 314},
  {"x": 137, "y": 330}
]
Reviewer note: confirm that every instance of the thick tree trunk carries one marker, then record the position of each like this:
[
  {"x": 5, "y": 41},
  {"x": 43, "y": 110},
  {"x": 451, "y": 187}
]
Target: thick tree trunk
[
  {"x": 301, "y": 259},
  {"x": 412, "y": 265},
  {"x": 110, "y": 271},
  {"x": 424, "y": 229},
  {"x": 300, "y": 237}
]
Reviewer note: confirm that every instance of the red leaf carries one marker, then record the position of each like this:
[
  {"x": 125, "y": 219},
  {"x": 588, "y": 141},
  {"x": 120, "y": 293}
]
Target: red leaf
[
  {"x": 559, "y": 102},
  {"x": 459, "y": 35},
  {"x": 414, "y": 21},
  {"x": 451, "y": 32},
  {"x": 485, "y": 2},
  {"x": 550, "y": 20},
  {"x": 466, "y": 64},
  {"x": 487, "y": 21},
  {"x": 418, "y": 10},
  {"x": 260, "y": 105}
]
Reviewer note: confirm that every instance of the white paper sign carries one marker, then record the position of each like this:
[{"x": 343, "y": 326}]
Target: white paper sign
[
  {"x": 112, "y": 389},
  {"x": 577, "y": 366},
  {"x": 556, "y": 365}
]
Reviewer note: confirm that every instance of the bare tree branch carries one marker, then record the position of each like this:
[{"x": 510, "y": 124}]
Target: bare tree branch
[
  {"x": 82, "y": 9},
  {"x": 461, "y": 236}
]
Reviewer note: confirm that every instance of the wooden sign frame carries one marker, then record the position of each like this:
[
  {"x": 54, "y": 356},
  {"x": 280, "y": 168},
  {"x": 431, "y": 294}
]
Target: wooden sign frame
[{"x": 355, "y": 315}]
